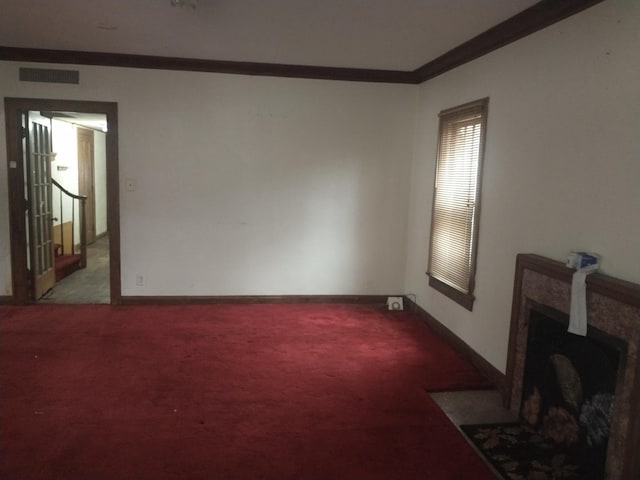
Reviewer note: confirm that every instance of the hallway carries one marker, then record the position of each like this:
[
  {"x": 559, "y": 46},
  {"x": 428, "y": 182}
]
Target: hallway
[{"x": 88, "y": 285}]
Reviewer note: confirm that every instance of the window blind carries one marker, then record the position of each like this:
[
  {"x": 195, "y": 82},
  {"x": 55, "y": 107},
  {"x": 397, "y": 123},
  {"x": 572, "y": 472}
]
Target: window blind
[{"x": 455, "y": 204}]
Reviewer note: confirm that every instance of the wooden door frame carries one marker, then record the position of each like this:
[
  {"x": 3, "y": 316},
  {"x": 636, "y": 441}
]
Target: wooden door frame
[
  {"x": 90, "y": 211},
  {"x": 37, "y": 138},
  {"x": 15, "y": 174}
]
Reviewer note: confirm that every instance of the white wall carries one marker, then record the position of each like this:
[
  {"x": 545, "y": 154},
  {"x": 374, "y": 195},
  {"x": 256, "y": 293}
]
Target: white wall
[
  {"x": 281, "y": 186},
  {"x": 562, "y": 161},
  {"x": 250, "y": 185},
  {"x": 65, "y": 145}
]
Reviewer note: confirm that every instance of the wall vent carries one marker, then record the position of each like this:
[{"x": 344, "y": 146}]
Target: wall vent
[
  {"x": 48, "y": 75},
  {"x": 395, "y": 303}
]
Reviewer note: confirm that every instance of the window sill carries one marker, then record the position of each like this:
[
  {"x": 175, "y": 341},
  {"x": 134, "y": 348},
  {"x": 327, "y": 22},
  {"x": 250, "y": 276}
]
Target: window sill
[{"x": 463, "y": 299}]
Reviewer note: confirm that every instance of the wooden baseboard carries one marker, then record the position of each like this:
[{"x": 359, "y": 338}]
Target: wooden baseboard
[
  {"x": 7, "y": 300},
  {"x": 246, "y": 299},
  {"x": 494, "y": 375}
]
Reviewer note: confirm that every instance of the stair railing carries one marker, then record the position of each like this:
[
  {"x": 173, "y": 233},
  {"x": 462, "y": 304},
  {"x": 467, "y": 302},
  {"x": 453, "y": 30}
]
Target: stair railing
[{"x": 82, "y": 201}]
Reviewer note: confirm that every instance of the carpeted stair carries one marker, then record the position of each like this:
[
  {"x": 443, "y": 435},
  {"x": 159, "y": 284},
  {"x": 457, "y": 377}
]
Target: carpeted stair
[{"x": 66, "y": 265}]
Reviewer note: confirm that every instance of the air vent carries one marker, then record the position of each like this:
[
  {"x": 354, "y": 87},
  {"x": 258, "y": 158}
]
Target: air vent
[
  {"x": 48, "y": 75},
  {"x": 395, "y": 303}
]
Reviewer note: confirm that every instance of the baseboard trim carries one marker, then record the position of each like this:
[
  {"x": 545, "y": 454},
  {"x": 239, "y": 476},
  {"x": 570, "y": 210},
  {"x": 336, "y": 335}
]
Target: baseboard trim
[
  {"x": 7, "y": 300},
  {"x": 248, "y": 299},
  {"x": 494, "y": 375}
]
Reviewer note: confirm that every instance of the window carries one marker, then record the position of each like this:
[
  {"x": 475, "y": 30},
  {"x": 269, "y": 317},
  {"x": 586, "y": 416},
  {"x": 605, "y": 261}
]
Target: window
[{"x": 456, "y": 201}]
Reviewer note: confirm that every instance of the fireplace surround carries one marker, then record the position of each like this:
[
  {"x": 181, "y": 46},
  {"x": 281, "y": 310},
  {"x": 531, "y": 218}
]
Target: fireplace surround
[{"x": 613, "y": 308}]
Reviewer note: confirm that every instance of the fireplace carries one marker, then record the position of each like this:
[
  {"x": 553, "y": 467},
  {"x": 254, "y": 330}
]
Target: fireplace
[
  {"x": 568, "y": 387},
  {"x": 540, "y": 351}
]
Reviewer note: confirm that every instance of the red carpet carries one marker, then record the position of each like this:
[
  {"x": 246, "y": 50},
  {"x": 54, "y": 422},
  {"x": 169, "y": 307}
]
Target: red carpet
[
  {"x": 227, "y": 392},
  {"x": 65, "y": 265}
]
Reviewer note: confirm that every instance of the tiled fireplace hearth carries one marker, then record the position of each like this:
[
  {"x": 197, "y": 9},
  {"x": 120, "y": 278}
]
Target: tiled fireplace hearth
[{"x": 613, "y": 308}]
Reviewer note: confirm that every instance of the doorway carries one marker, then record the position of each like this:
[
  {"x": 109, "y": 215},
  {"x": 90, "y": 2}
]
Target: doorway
[
  {"x": 30, "y": 195},
  {"x": 87, "y": 180},
  {"x": 79, "y": 206}
]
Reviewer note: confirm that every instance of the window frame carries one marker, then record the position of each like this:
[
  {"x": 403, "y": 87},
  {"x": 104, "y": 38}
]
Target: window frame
[{"x": 446, "y": 117}]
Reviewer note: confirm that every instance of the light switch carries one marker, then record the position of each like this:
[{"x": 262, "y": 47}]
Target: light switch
[{"x": 130, "y": 184}]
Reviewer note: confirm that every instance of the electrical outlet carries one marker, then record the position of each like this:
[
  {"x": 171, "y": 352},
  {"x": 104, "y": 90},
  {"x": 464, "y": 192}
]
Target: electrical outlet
[
  {"x": 130, "y": 184},
  {"x": 139, "y": 280}
]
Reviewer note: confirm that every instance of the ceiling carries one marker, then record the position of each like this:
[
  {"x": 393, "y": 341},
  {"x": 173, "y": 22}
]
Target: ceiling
[
  {"x": 94, "y": 121},
  {"x": 367, "y": 34}
]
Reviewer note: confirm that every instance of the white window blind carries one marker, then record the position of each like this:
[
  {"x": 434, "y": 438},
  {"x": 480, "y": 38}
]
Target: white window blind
[{"x": 456, "y": 195}]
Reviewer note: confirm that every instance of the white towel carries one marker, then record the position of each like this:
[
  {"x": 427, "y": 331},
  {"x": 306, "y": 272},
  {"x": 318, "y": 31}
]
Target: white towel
[{"x": 578, "y": 312}]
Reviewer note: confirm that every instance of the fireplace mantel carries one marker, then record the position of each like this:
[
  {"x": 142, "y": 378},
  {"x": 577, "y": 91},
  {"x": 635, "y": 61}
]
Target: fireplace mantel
[{"x": 613, "y": 307}]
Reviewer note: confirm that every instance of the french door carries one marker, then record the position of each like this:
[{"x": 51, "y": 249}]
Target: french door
[{"x": 37, "y": 156}]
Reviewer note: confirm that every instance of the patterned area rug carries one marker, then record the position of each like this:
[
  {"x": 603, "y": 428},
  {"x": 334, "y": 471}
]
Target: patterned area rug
[{"x": 519, "y": 452}]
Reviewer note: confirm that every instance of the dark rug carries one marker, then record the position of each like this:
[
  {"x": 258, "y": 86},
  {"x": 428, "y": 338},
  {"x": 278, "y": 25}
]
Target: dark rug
[{"x": 519, "y": 452}]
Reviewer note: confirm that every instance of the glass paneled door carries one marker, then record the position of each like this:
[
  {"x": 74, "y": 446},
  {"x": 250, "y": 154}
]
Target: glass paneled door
[{"x": 38, "y": 154}]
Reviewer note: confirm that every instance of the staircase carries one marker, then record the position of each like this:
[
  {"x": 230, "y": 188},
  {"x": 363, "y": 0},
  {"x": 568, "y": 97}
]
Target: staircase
[
  {"x": 67, "y": 259},
  {"x": 66, "y": 264}
]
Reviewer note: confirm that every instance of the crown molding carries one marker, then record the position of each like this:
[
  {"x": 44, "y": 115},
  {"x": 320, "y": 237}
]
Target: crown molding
[
  {"x": 200, "y": 65},
  {"x": 534, "y": 18}
]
